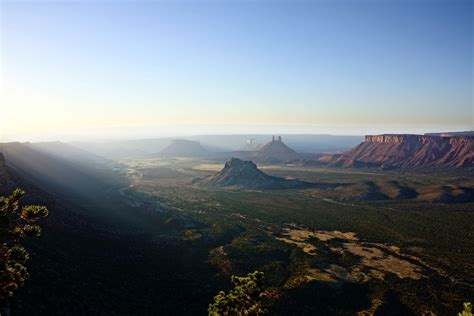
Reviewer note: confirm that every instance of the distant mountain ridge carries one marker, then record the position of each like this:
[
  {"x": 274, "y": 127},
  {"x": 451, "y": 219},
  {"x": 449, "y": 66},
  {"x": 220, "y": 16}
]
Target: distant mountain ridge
[
  {"x": 184, "y": 148},
  {"x": 274, "y": 151},
  {"x": 239, "y": 173},
  {"x": 220, "y": 146},
  {"x": 409, "y": 151}
]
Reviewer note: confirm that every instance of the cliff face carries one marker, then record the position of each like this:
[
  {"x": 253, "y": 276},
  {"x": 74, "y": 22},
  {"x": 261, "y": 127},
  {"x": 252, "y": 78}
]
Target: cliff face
[
  {"x": 392, "y": 138},
  {"x": 422, "y": 139},
  {"x": 393, "y": 151}
]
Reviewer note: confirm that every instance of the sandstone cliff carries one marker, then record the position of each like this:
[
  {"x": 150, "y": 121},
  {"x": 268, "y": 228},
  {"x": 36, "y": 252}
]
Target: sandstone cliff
[{"x": 398, "y": 151}]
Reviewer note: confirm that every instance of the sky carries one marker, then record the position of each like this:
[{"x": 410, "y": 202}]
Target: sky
[{"x": 125, "y": 69}]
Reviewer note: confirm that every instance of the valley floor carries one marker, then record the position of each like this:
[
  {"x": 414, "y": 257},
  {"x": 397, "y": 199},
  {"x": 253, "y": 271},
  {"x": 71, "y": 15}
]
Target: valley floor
[
  {"x": 365, "y": 242},
  {"x": 387, "y": 234}
]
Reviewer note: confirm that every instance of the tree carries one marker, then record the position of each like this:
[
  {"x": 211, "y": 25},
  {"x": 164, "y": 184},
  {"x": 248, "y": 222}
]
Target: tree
[
  {"x": 467, "y": 310},
  {"x": 246, "y": 298},
  {"x": 17, "y": 223}
]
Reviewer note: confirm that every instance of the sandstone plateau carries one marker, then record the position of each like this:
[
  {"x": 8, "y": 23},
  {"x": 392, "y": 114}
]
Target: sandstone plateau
[{"x": 409, "y": 151}]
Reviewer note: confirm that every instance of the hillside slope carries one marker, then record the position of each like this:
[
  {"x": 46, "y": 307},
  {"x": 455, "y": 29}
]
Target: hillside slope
[
  {"x": 4, "y": 177},
  {"x": 81, "y": 257},
  {"x": 60, "y": 168}
]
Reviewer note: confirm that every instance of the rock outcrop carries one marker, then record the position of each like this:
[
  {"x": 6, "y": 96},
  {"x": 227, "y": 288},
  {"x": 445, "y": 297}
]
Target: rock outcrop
[
  {"x": 409, "y": 151},
  {"x": 276, "y": 151},
  {"x": 245, "y": 174}
]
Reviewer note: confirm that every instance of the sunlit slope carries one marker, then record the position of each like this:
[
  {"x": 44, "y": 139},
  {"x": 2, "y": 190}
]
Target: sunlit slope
[{"x": 59, "y": 168}]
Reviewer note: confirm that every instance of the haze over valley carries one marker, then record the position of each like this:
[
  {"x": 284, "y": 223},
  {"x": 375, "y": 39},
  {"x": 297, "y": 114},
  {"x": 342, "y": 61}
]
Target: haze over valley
[{"x": 236, "y": 158}]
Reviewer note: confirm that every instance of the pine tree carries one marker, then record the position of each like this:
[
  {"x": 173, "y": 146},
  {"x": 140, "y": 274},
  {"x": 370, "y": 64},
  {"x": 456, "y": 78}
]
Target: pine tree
[
  {"x": 17, "y": 223},
  {"x": 246, "y": 298},
  {"x": 467, "y": 311}
]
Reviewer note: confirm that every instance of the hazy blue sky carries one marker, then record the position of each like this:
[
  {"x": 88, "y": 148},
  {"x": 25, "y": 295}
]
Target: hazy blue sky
[{"x": 235, "y": 66}]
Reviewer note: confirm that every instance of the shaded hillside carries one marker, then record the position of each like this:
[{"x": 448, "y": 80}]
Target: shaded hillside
[
  {"x": 70, "y": 153},
  {"x": 60, "y": 168},
  {"x": 82, "y": 266},
  {"x": 409, "y": 151},
  {"x": 184, "y": 148},
  {"x": 245, "y": 174},
  {"x": 140, "y": 148},
  {"x": 3, "y": 171},
  {"x": 446, "y": 194}
]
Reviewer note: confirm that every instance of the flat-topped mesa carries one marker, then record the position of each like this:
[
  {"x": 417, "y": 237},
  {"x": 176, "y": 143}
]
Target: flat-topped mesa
[
  {"x": 388, "y": 138},
  {"x": 423, "y": 139},
  {"x": 409, "y": 151}
]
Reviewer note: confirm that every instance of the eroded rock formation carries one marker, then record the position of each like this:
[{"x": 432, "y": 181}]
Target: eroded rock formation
[{"x": 393, "y": 151}]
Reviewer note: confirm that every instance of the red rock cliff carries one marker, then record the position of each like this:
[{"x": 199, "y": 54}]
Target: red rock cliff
[{"x": 403, "y": 150}]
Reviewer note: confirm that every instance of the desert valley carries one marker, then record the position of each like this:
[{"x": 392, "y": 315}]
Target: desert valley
[
  {"x": 237, "y": 158},
  {"x": 384, "y": 227}
]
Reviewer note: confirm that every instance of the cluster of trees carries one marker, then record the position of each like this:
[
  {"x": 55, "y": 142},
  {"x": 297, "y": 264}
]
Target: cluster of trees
[
  {"x": 467, "y": 310},
  {"x": 248, "y": 297},
  {"x": 17, "y": 223}
]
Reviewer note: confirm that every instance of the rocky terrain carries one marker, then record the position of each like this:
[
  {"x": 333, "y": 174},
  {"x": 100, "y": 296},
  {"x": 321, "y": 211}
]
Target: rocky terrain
[
  {"x": 245, "y": 174},
  {"x": 408, "y": 151}
]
